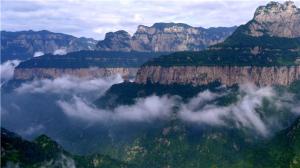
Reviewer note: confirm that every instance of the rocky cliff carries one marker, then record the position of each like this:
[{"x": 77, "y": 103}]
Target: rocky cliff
[
  {"x": 115, "y": 41},
  {"x": 227, "y": 75},
  {"x": 275, "y": 19},
  {"x": 82, "y": 64},
  {"x": 26, "y": 44},
  {"x": 164, "y": 37},
  {"x": 39, "y": 73},
  {"x": 264, "y": 51}
]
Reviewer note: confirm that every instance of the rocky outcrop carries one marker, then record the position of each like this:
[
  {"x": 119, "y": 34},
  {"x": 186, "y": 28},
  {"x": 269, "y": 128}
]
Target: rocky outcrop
[
  {"x": 116, "y": 41},
  {"x": 275, "y": 19},
  {"x": 227, "y": 75},
  {"x": 26, "y": 44},
  {"x": 39, "y": 73},
  {"x": 164, "y": 37}
]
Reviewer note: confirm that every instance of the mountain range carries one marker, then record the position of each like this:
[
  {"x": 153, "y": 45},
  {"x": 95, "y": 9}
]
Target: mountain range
[
  {"x": 170, "y": 147},
  {"x": 161, "y": 37},
  {"x": 264, "y": 51},
  {"x": 23, "y": 45},
  {"x": 191, "y": 103},
  {"x": 164, "y": 37},
  {"x": 118, "y": 47}
]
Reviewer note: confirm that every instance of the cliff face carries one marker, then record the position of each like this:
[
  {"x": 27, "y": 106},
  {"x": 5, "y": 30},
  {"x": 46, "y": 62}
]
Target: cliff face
[
  {"x": 227, "y": 75},
  {"x": 275, "y": 19},
  {"x": 265, "y": 51},
  {"x": 116, "y": 41},
  {"x": 164, "y": 37},
  {"x": 32, "y": 73}
]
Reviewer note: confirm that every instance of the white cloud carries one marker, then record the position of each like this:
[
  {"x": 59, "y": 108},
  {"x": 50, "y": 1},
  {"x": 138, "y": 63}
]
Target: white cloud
[
  {"x": 147, "y": 109},
  {"x": 79, "y": 108},
  {"x": 38, "y": 54},
  {"x": 200, "y": 110},
  {"x": 31, "y": 130},
  {"x": 61, "y": 51},
  {"x": 82, "y": 18},
  {"x": 144, "y": 110},
  {"x": 242, "y": 113},
  {"x": 68, "y": 85},
  {"x": 7, "y": 70},
  {"x": 137, "y": 17}
]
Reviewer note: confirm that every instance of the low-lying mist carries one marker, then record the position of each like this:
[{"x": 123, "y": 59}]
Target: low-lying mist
[
  {"x": 258, "y": 109},
  {"x": 7, "y": 70},
  {"x": 64, "y": 109},
  {"x": 31, "y": 109}
]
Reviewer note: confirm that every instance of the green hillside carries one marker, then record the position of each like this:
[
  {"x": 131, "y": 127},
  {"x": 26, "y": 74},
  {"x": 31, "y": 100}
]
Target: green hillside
[
  {"x": 44, "y": 152},
  {"x": 175, "y": 145}
]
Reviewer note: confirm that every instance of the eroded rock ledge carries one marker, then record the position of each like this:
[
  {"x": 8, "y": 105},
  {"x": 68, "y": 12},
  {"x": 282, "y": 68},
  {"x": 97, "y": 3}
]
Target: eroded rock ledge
[
  {"x": 227, "y": 75},
  {"x": 32, "y": 73}
]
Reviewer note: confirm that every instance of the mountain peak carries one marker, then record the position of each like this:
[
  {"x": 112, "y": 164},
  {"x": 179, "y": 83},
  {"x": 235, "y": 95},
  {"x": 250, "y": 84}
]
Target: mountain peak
[
  {"x": 276, "y": 19},
  {"x": 162, "y": 25},
  {"x": 164, "y": 37},
  {"x": 115, "y": 41},
  {"x": 276, "y": 8},
  {"x": 121, "y": 33}
]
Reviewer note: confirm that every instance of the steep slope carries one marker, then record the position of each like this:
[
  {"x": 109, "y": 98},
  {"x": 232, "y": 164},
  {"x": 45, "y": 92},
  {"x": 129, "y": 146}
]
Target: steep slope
[
  {"x": 115, "y": 41},
  {"x": 256, "y": 52},
  {"x": 181, "y": 144},
  {"x": 44, "y": 152},
  {"x": 173, "y": 143},
  {"x": 175, "y": 146},
  {"x": 275, "y": 19},
  {"x": 164, "y": 37},
  {"x": 25, "y": 44}
]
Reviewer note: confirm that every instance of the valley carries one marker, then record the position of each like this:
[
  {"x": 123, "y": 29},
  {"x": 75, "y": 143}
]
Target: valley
[{"x": 169, "y": 95}]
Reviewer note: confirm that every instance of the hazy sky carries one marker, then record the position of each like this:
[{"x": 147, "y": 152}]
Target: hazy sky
[{"x": 93, "y": 18}]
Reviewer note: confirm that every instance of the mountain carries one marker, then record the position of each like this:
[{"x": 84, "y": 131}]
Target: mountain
[
  {"x": 83, "y": 64},
  {"x": 275, "y": 19},
  {"x": 161, "y": 37},
  {"x": 115, "y": 41},
  {"x": 44, "y": 152},
  {"x": 164, "y": 37},
  {"x": 181, "y": 144},
  {"x": 174, "y": 145},
  {"x": 264, "y": 51},
  {"x": 25, "y": 44}
]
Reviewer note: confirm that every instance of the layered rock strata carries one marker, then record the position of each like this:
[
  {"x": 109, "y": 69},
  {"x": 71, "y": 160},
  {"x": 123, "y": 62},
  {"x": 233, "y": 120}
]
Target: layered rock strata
[{"x": 227, "y": 75}]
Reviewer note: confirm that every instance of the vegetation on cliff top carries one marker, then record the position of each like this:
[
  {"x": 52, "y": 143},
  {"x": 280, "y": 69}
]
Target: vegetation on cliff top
[
  {"x": 86, "y": 59},
  {"x": 238, "y": 50}
]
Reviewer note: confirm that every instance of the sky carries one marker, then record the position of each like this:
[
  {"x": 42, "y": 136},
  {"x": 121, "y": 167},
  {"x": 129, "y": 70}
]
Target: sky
[{"x": 94, "y": 18}]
